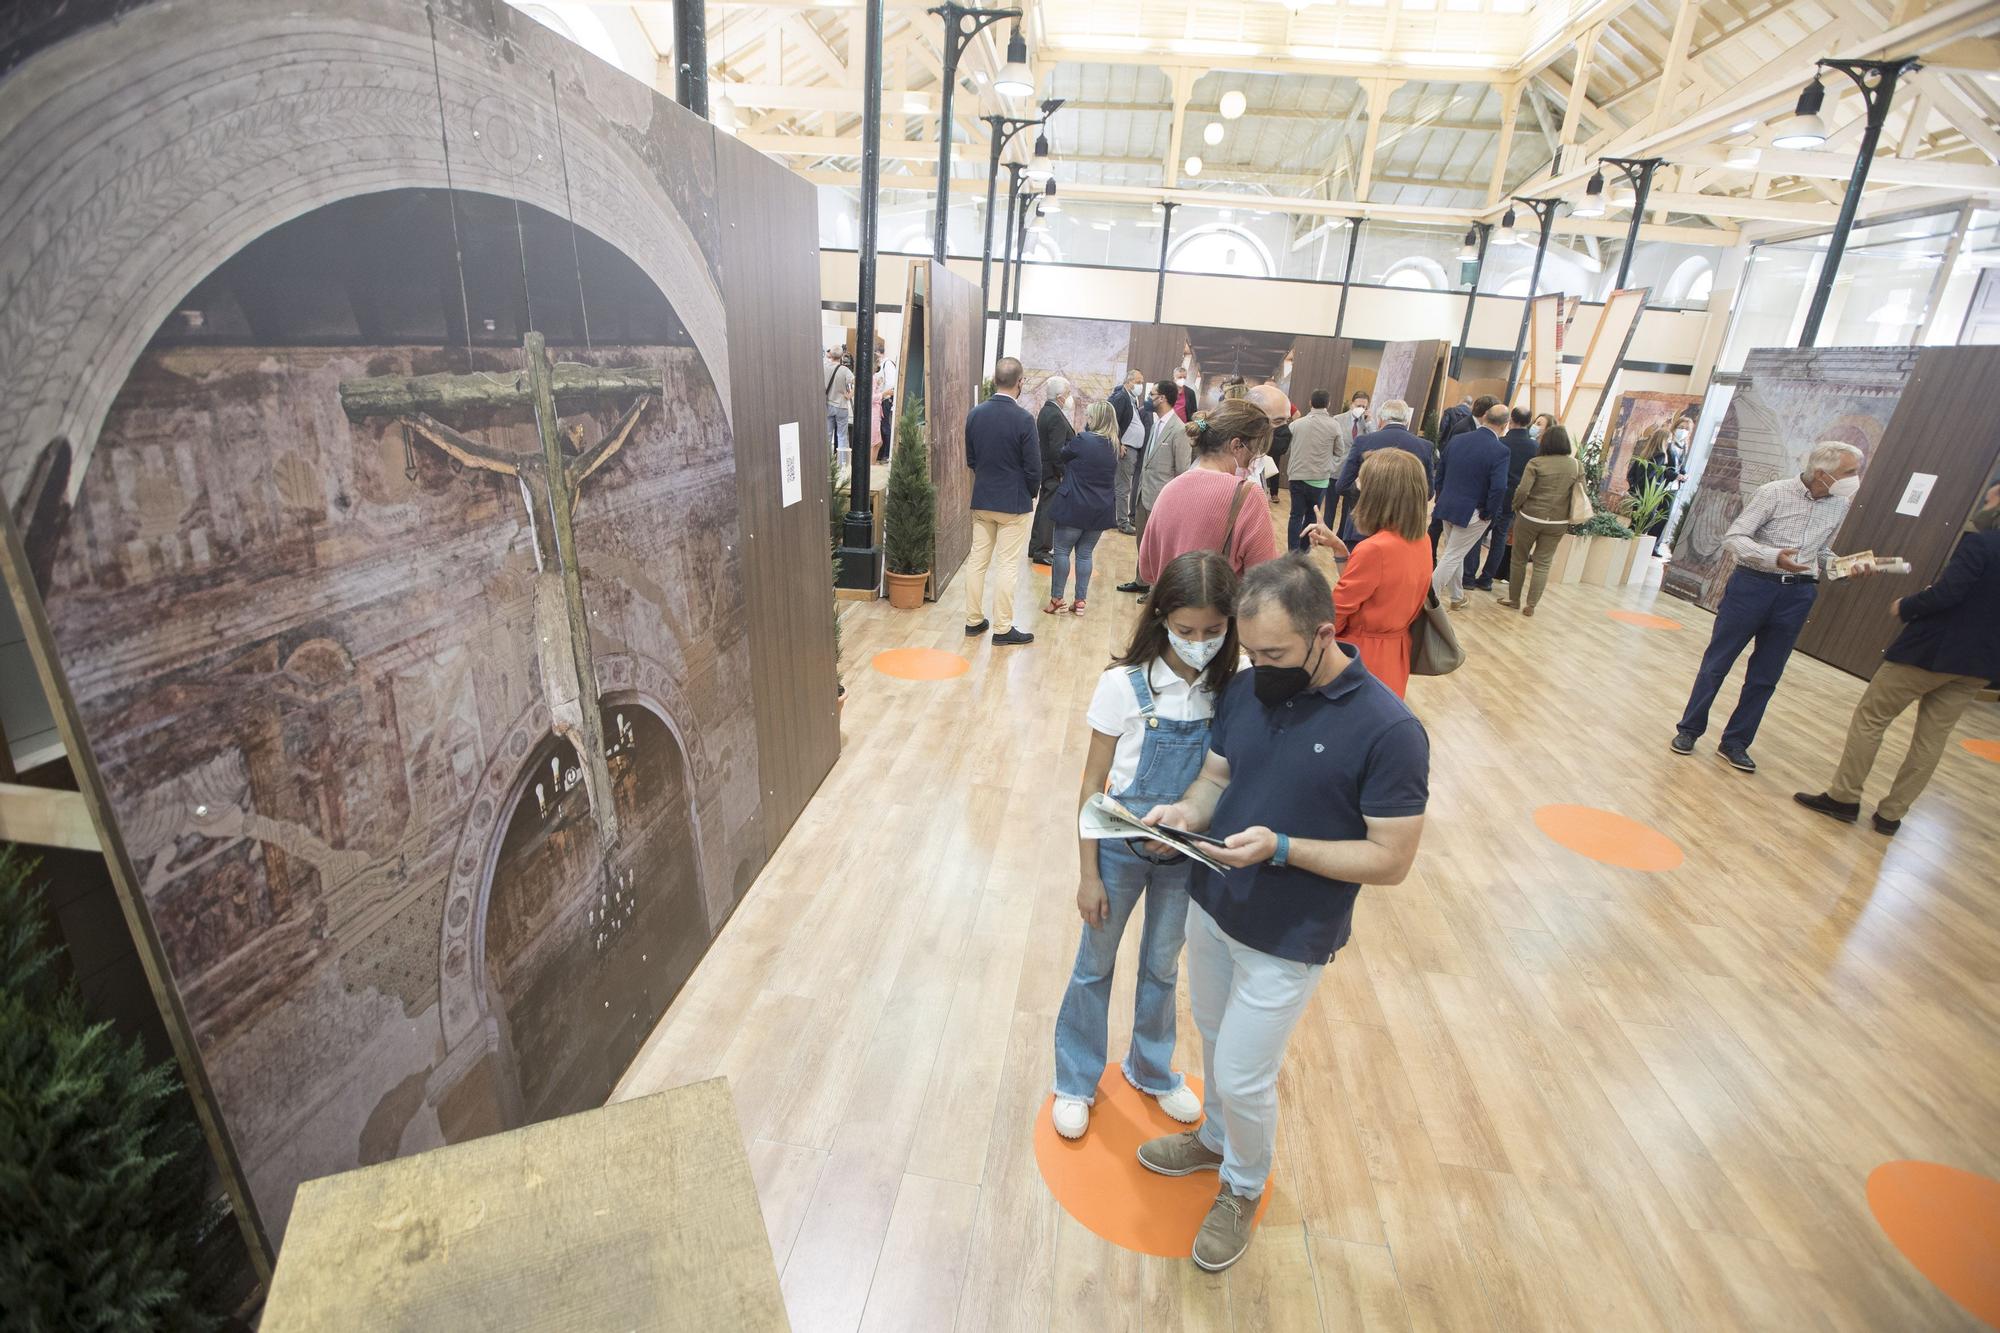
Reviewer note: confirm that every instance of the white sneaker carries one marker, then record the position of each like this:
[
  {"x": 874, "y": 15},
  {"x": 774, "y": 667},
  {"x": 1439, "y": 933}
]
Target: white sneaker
[
  {"x": 1072, "y": 1117},
  {"x": 1181, "y": 1104}
]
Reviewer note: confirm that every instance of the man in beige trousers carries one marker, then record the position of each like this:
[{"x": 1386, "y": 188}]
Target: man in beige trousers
[{"x": 1002, "y": 450}]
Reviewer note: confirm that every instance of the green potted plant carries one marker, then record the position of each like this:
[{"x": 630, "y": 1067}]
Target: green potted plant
[
  {"x": 102, "y": 1177},
  {"x": 1643, "y": 508},
  {"x": 909, "y": 512},
  {"x": 1609, "y": 542}
]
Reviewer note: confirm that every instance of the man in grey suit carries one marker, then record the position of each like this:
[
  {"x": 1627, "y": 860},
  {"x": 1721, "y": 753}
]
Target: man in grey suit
[{"x": 1168, "y": 454}]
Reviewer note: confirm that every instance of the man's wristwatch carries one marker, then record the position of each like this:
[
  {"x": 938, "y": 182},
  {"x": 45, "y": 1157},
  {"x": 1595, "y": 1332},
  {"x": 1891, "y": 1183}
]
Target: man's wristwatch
[{"x": 1283, "y": 856}]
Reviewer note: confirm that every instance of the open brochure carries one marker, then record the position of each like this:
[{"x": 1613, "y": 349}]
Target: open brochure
[
  {"x": 1102, "y": 818},
  {"x": 1842, "y": 566}
]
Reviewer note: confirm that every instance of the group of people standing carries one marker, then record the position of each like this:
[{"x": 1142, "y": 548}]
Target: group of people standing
[{"x": 1257, "y": 705}]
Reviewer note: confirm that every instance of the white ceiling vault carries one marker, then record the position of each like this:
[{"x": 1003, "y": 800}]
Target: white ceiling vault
[{"x": 1416, "y": 110}]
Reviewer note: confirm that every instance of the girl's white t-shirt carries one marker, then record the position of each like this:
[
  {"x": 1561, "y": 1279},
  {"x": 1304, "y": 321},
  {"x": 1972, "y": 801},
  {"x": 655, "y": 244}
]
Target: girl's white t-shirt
[{"x": 1114, "y": 711}]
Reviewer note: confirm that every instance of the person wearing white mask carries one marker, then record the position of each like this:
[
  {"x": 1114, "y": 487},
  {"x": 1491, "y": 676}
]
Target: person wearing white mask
[
  {"x": 1782, "y": 544},
  {"x": 1149, "y": 721},
  {"x": 1356, "y": 421}
]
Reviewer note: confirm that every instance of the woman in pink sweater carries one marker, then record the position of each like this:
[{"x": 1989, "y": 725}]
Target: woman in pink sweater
[{"x": 1209, "y": 507}]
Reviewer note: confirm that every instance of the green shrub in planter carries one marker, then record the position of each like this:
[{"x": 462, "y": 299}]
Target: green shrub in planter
[
  {"x": 1602, "y": 525},
  {"x": 909, "y": 517},
  {"x": 101, "y": 1174}
]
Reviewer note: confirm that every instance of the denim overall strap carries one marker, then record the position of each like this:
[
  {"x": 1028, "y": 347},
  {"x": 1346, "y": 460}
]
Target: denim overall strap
[{"x": 1170, "y": 756}]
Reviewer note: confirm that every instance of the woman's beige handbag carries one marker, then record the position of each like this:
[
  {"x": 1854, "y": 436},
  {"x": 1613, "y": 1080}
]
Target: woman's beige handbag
[{"x": 1580, "y": 507}]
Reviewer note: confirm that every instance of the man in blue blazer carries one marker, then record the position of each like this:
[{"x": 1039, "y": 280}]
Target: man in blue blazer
[
  {"x": 1948, "y": 651},
  {"x": 1005, "y": 457},
  {"x": 1394, "y": 434},
  {"x": 1471, "y": 492}
]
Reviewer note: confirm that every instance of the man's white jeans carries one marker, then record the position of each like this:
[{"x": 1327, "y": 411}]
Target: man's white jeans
[
  {"x": 1448, "y": 580},
  {"x": 1246, "y": 1003}
]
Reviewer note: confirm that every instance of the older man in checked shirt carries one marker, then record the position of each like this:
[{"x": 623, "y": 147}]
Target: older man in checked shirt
[{"x": 1783, "y": 543}]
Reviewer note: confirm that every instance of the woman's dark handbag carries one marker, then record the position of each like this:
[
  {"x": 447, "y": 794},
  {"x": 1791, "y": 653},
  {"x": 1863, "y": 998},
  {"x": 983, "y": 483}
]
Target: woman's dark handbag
[{"x": 1434, "y": 649}]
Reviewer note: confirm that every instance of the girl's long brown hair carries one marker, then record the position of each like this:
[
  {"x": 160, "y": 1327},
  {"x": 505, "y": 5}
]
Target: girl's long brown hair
[{"x": 1199, "y": 578}]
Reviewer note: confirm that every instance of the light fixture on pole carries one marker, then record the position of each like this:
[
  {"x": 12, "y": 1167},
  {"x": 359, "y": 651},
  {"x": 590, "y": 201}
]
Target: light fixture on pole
[
  {"x": 1545, "y": 211},
  {"x": 1233, "y": 104},
  {"x": 1877, "y": 81},
  {"x": 1469, "y": 252},
  {"x": 1192, "y": 166},
  {"x": 1803, "y": 128},
  {"x": 1016, "y": 79},
  {"x": 1050, "y": 204},
  {"x": 1004, "y": 130},
  {"x": 961, "y": 24},
  {"x": 1212, "y": 134},
  {"x": 1638, "y": 173},
  {"x": 1470, "y": 260},
  {"x": 1506, "y": 235},
  {"x": 1041, "y": 166},
  {"x": 1593, "y": 198}
]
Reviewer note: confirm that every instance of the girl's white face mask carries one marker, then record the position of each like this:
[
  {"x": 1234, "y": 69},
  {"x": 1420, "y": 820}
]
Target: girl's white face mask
[{"x": 1196, "y": 654}]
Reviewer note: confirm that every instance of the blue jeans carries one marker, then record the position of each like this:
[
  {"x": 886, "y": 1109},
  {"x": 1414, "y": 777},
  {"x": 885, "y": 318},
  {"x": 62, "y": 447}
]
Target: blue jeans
[
  {"x": 1759, "y": 610},
  {"x": 836, "y": 426},
  {"x": 1083, "y": 1022},
  {"x": 1306, "y": 502},
  {"x": 1083, "y": 543}
]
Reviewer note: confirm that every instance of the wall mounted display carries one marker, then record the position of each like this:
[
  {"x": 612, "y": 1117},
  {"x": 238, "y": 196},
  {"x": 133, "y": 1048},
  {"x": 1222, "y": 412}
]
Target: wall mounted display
[
  {"x": 1414, "y": 372},
  {"x": 1089, "y": 353},
  {"x": 1789, "y": 399},
  {"x": 392, "y": 476}
]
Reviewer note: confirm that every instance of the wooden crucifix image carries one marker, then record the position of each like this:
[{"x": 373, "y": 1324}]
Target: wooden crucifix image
[{"x": 550, "y": 483}]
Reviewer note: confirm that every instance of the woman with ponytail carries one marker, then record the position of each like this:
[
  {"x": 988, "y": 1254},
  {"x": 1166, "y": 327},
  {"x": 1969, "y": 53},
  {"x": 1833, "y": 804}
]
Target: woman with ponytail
[{"x": 1205, "y": 509}]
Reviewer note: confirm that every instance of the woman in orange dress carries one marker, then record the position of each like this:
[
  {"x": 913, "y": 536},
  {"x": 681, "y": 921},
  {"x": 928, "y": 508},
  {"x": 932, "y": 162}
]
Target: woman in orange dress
[{"x": 1388, "y": 573}]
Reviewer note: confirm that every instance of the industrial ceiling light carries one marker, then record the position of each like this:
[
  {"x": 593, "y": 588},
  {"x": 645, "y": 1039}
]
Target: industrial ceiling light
[
  {"x": 1593, "y": 198},
  {"x": 1050, "y": 204},
  {"x": 1234, "y": 104},
  {"x": 1469, "y": 252},
  {"x": 1506, "y": 234},
  {"x": 1040, "y": 226},
  {"x": 915, "y": 104},
  {"x": 722, "y": 114},
  {"x": 1803, "y": 128},
  {"x": 1743, "y": 127},
  {"x": 1192, "y": 166},
  {"x": 1016, "y": 79},
  {"x": 1040, "y": 167},
  {"x": 1744, "y": 155},
  {"x": 1213, "y": 134}
]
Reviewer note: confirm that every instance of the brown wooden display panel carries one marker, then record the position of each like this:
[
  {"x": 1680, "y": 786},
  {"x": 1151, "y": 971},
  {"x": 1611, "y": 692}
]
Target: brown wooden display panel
[
  {"x": 1409, "y": 371},
  {"x": 952, "y": 333},
  {"x": 1943, "y": 425},
  {"x": 1320, "y": 363},
  {"x": 770, "y": 278},
  {"x": 1157, "y": 350}
]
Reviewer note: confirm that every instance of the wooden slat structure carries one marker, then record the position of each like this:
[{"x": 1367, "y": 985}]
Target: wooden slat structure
[
  {"x": 1943, "y": 425},
  {"x": 1609, "y": 339},
  {"x": 770, "y": 270},
  {"x": 1157, "y": 350},
  {"x": 641, "y": 1214},
  {"x": 1319, "y": 363},
  {"x": 40, "y": 817}
]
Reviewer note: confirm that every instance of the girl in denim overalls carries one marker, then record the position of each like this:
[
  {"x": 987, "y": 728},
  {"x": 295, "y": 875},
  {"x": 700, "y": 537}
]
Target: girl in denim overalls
[{"x": 1149, "y": 732}]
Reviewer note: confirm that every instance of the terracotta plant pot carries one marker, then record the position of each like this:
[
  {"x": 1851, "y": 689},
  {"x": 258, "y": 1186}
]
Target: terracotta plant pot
[{"x": 906, "y": 591}]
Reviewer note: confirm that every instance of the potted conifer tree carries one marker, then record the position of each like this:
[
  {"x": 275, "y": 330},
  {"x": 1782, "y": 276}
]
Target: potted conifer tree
[{"x": 909, "y": 518}]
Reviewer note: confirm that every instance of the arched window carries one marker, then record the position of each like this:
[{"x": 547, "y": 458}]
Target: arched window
[
  {"x": 1417, "y": 272},
  {"x": 1221, "y": 249},
  {"x": 1690, "y": 283},
  {"x": 1515, "y": 285}
]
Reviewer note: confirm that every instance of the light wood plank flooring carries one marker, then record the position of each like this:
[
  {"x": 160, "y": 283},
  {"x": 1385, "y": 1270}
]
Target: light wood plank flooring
[{"x": 1534, "y": 1092}]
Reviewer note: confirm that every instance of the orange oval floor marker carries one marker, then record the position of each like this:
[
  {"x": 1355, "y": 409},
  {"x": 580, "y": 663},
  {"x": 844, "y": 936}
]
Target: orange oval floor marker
[
  {"x": 1099, "y": 1182},
  {"x": 1984, "y": 749},
  {"x": 1947, "y": 1223},
  {"x": 921, "y": 664},
  {"x": 1644, "y": 621},
  {"x": 1607, "y": 837},
  {"x": 1043, "y": 570}
]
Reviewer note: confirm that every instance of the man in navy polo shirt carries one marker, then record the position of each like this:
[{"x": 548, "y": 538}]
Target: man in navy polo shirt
[{"x": 1317, "y": 777}]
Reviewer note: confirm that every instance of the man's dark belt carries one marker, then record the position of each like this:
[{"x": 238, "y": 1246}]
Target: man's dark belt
[{"x": 1776, "y": 577}]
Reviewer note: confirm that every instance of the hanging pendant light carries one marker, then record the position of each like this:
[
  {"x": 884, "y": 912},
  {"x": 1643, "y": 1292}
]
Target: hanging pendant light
[
  {"x": 1506, "y": 234},
  {"x": 1744, "y": 155},
  {"x": 1803, "y": 128},
  {"x": 1213, "y": 134},
  {"x": 1233, "y": 104},
  {"x": 1050, "y": 204},
  {"x": 1469, "y": 252},
  {"x": 1016, "y": 79},
  {"x": 1192, "y": 166},
  {"x": 1593, "y": 198},
  {"x": 1040, "y": 167}
]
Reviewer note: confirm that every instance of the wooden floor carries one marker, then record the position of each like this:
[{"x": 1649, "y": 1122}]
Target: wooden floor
[{"x": 1533, "y": 1093}]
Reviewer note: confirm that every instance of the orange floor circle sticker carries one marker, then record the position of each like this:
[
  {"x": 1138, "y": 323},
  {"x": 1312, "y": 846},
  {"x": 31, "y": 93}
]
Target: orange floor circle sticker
[
  {"x": 1643, "y": 620},
  {"x": 1611, "y": 838},
  {"x": 1098, "y": 1179},
  {"x": 921, "y": 664},
  {"x": 1947, "y": 1223},
  {"x": 1984, "y": 749}
]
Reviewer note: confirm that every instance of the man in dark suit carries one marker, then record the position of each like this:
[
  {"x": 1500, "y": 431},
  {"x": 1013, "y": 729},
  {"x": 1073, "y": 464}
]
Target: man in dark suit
[
  {"x": 1460, "y": 411},
  {"x": 1521, "y": 447},
  {"x": 1394, "y": 434},
  {"x": 1446, "y": 434},
  {"x": 1133, "y": 407},
  {"x": 1948, "y": 651},
  {"x": 1005, "y": 459},
  {"x": 1471, "y": 489},
  {"x": 1053, "y": 427}
]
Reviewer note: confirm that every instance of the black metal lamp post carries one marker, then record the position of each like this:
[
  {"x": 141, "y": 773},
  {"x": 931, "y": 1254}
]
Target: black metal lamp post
[
  {"x": 1030, "y": 208},
  {"x": 1347, "y": 273},
  {"x": 859, "y": 560},
  {"x": 1877, "y": 81},
  {"x": 961, "y": 25},
  {"x": 1167, "y": 207},
  {"x": 1014, "y": 173},
  {"x": 1638, "y": 173},
  {"x": 1004, "y": 130},
  {"x": 1477, "y": 237},
  {"x": 1545, "y": 210},
  {"x": 691, "y": 55}
]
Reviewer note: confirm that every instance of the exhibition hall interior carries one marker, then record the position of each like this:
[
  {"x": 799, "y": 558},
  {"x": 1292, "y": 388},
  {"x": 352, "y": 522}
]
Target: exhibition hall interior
[{"x": 870, "y": 665}]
